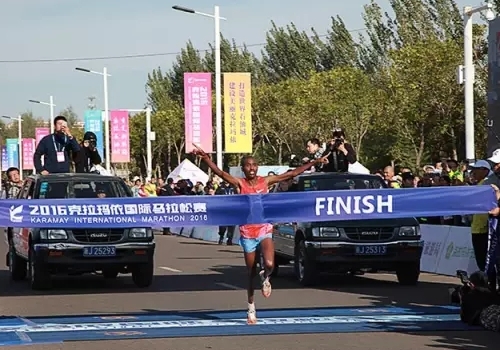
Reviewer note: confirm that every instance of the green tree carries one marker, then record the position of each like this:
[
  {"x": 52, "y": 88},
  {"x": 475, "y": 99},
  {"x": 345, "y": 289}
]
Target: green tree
[
  {"x": 74, "y": 123},
  {"x": 289, "y": 53},
  {"x": 339, "y": 49},
  {"x": 28, "y": 125}
]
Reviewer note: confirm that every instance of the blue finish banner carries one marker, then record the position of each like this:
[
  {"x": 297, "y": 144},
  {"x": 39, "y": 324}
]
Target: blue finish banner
[
  {"x": 184, "y": 211},
  {"x": 92, "y": 120},
  {"x": 378, "y": 204}
]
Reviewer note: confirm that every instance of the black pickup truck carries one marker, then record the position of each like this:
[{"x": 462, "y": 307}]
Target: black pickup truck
[
  {"x": 347, "y": 246},
  {"x": 43, "y": 252}
]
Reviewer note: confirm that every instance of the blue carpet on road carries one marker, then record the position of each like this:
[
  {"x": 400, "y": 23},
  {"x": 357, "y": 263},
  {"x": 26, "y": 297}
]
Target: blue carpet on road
[{"x": 57, "y": 329}]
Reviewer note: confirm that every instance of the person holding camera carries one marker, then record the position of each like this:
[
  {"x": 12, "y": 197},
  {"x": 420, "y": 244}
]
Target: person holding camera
[
  {"x": 55, "y": 149},
  {"x": 88, "y": 155},
  {"x": 339, "y": 153}
]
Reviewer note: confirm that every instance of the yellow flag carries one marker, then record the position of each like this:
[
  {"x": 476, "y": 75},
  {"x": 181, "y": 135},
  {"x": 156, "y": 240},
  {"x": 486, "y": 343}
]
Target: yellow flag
[{"x": 238, "y": 113}]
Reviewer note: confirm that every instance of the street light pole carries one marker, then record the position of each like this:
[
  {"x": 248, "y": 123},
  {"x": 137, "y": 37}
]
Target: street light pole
[
  {"x": 105, "y": 75},
  {"x": 469, "y": 76},
  {"x": 51, "y": 105},
  {"x": 52, "y": 116},
  {"x": 20, "y": 143},
  {"x": 218, "y": 91},
  {"x": 218, "y": 88},
  {"x": 106, "y": 119}
]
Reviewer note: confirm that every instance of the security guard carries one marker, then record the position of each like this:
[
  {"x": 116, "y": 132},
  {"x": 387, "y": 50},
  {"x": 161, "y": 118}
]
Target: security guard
[{"x": 479, "y": 226}]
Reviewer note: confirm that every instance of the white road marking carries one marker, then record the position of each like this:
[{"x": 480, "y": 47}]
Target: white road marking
[
  {"x": 169, "y": 269},
  {"x": 229, "y": 286}
]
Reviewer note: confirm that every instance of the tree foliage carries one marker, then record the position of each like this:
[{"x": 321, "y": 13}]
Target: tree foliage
[{"x": 391, "y": 86}]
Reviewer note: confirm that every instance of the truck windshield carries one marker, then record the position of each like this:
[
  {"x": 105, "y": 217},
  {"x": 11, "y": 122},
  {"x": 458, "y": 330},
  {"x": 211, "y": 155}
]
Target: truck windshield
[
  {"x": 342, "y": 183},
  {"x": 78, "y": 189}
]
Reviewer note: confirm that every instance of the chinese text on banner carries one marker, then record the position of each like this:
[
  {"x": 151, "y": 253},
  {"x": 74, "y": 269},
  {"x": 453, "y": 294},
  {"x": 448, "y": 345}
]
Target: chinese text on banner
[
  {"x": 237, "y": 113},
  {"x": 28, "y": 148},
  {"x": 5, "y": 159},
  {"x": 198, "y": 111},
  {"x": 93, "y": 122},
  {"x": 120, "y": 137},
  {"x": 40, "y": 133},
  {"x": 12, "y": 152}
]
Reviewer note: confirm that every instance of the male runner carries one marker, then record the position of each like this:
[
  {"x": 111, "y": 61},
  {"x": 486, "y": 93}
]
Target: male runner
[{"x": 253, "y": 236}]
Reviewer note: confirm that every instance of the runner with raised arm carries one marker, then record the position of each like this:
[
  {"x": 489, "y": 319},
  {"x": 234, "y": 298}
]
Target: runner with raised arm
[{"x": 253, "y": 236}]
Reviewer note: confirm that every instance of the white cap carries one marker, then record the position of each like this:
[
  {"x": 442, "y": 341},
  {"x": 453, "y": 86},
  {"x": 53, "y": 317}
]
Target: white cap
[
  {"x": 481, "y": 164},
  {"x": 495, "y": 157}
]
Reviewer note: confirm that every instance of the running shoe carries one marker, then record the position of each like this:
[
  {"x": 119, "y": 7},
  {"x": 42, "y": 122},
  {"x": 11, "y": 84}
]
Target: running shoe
[{"x": 266, "y": 284}]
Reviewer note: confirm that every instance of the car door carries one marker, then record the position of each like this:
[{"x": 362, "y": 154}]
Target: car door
[{"x": 21, "y": 235}]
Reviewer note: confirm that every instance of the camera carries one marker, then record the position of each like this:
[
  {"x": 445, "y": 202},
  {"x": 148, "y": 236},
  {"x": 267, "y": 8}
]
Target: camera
[
  {"x": 93, "y": 143},
  {"x": 336, "y": 143}
]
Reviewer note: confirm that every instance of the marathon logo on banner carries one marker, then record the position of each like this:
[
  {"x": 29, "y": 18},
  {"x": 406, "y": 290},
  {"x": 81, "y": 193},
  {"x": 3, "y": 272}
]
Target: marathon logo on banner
[
  {"x": 246, "y": 209},
  {"x": 119, "y": 212}
]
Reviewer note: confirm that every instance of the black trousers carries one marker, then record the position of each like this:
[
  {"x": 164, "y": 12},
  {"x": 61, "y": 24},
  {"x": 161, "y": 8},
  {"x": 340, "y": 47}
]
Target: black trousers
[
  {"x": 480, "y": 246},
  {"x": 230, "y": 233}
]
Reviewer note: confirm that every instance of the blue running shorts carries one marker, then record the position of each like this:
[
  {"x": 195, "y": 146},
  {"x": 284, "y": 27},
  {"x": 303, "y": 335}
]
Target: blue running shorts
[{"x": 250, "y": 245}]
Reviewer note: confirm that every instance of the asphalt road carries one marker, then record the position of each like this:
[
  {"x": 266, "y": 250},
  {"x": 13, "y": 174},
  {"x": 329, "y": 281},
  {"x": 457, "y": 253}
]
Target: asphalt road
[{"x": 198, "y": 276}]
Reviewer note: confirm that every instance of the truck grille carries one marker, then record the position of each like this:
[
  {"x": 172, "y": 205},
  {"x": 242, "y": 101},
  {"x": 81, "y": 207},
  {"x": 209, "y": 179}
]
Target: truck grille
[
  {"x": 369, "y": 234},
  {"x": 99, "y": 235}
]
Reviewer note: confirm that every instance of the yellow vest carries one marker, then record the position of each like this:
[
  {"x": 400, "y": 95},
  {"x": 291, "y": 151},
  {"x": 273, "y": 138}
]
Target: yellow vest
[
  {"x": 479, "y": 223},
  {"x": 150, "y": 189},
  {"x": 456, "y": 175}
]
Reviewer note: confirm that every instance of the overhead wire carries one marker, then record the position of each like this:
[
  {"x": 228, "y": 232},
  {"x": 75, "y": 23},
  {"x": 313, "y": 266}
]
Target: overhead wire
[{"x": 132, "y": 56}]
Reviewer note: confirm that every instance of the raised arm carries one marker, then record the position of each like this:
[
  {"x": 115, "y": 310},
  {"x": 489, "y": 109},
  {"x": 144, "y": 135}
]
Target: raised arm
[
  {"x": 271, "y": 180},
  {"x": 219, "y": 172}
]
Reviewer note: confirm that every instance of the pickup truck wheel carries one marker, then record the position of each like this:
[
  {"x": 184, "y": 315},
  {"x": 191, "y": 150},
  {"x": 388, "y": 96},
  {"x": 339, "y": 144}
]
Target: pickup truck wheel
[
  {"x": 18, "y": 267},
  {"x": 142, "y": 274},
  {"x": 305, "y": 267},
  {"x": 39, "y": 273},
  {"x": 408, "y": 273}
]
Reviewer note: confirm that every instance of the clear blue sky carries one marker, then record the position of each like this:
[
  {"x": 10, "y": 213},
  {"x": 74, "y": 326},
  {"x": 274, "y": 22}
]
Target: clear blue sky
[{"x": 48, "y": 29}]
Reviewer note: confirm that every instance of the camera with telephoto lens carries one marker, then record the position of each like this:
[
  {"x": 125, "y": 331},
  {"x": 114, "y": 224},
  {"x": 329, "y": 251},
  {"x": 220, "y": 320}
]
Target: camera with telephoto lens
[{"x": 336, "y": 143}]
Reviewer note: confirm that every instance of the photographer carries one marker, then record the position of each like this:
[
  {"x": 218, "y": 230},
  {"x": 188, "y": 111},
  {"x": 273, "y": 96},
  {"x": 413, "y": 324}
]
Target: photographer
[
  {"x": 88, "y": 155},
  {"x": 339, "y": 153}
]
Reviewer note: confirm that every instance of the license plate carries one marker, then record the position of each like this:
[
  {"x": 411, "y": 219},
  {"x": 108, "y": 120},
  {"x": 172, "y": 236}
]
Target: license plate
[
  {"x": 371, "y": 250},
  {"x": 99, "y": 251}
]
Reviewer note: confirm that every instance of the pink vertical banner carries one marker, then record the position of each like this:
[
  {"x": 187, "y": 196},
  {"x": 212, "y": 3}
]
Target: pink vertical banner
[
  {"x": 28, "y": 149},
  {"x": 40, "y": 133},
  {"x": 120, "y": 136},
  {"x": 198, "y": 111}
]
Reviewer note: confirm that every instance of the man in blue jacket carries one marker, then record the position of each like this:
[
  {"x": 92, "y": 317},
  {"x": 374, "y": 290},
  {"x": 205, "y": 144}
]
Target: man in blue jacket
[{"x": 55, "y": 149}]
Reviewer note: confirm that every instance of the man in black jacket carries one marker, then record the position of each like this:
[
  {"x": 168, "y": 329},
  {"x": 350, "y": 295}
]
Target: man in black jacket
[
  {"x": 55, "y": 149},
  {"x": 88, "y": 155},
  {"x": 339, "y": 153}
]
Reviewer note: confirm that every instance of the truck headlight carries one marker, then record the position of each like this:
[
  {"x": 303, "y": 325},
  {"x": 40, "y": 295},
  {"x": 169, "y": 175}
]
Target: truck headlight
[
  {"x": 409, "y": 231},
  {"x": 53, "y": 234},
  {"x": 140, "y": 233},
  {"x": 330, "y": 232}
]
